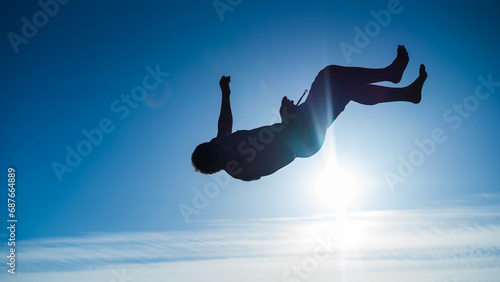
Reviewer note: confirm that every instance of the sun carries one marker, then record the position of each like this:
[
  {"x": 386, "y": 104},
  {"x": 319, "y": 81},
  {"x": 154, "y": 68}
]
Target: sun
[{"x": 336, "y": 187}]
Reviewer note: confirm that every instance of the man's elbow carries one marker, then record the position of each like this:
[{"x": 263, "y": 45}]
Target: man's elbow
[
  {"x": 244, "y": 176},
  {"x": 250, "y": 179}
]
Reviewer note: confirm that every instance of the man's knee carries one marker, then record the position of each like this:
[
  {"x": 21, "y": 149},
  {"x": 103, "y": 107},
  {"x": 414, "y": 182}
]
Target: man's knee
[
  {"x": 333, "y": 69},
  {"x": 331, "y": 74}
]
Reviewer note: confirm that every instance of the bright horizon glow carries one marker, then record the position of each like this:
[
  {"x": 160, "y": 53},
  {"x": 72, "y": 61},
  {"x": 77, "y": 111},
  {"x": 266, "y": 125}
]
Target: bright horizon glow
[
  {"x": 337, "y": 188},
  {"x": 279, "y": 245}
]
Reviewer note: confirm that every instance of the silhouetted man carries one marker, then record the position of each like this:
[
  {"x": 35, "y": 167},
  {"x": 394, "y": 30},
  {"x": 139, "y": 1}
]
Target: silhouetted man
[{"x": 250, "y": 154}]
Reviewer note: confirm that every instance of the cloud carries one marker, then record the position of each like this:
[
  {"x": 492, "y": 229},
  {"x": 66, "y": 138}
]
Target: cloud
[{"x": 439, "y": 243}]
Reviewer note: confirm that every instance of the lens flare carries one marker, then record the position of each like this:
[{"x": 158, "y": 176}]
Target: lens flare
[{"x": 336, "y": 187}]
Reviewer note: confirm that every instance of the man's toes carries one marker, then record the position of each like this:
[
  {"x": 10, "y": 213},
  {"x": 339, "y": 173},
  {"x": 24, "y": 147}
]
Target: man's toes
[
  {"x": 422, "y": 69},
  {"x": 422, "y": 73},
  {"x": 402, "y": 50}
]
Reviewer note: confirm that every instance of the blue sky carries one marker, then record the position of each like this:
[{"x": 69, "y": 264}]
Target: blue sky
[{"x": 70, "y": 76}]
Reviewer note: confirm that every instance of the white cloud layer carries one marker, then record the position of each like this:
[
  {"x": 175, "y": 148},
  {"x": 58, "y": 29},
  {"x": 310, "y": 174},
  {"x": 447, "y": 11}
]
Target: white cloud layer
[{"x": 453, "y": 244}]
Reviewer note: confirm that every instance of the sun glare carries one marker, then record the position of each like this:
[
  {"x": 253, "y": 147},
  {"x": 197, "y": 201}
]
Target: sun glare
[{"x": 336, "y": 187}]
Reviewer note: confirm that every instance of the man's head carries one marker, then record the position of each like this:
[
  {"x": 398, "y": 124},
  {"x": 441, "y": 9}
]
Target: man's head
[{"x": 207, "y": 158}]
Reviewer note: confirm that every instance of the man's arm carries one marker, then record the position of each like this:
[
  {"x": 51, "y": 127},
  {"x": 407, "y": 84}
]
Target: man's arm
[{"x": 225, "y": 124}]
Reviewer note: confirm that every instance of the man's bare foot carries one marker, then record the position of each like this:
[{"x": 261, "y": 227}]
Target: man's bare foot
[
  {"x": 416, "y": 87},
  {"x": 398, "y": 66}
]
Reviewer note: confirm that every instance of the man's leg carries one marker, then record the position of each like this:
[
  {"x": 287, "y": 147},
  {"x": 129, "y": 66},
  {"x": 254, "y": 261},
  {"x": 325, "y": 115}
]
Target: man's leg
[
  {"x": 374, "y": 94},
  {"x": 345, "y": 76},
  {"x": 335, "y": 86}
]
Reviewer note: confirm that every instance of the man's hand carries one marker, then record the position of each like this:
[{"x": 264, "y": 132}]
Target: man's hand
[
  {"x": 288, "y": 111},
  {"x": 224, "y": 84}
]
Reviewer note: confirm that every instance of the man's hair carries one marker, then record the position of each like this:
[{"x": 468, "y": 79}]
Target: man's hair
[{"x": 205, "y": 158}]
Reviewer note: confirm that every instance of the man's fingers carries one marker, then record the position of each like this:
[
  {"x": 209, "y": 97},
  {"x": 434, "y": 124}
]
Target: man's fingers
[{"x": 224, "y": 80}]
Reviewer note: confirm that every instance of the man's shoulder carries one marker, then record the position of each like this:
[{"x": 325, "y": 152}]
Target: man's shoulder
[{"x": 222, "y": 133}]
